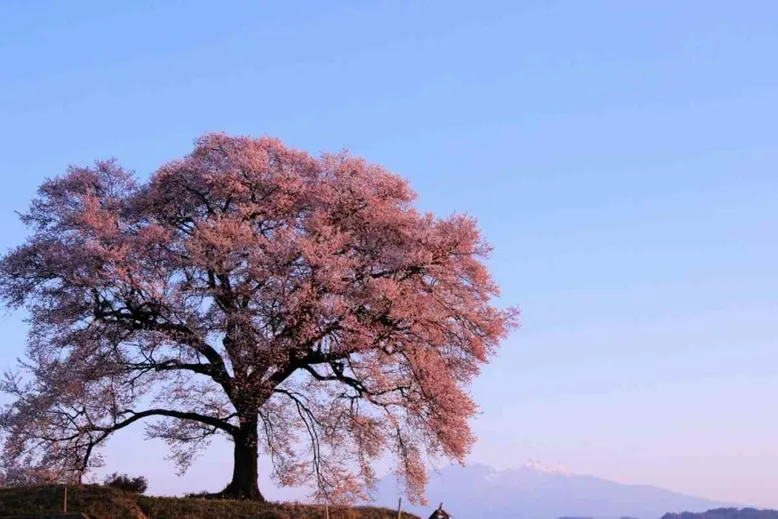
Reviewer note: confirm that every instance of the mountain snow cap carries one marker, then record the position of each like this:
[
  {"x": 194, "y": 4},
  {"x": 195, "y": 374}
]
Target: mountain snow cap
[{"x": 540, "y": 467}]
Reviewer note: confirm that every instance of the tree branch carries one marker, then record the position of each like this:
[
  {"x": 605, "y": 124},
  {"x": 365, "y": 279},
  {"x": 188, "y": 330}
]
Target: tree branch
[{"x": 181, "y": 415}]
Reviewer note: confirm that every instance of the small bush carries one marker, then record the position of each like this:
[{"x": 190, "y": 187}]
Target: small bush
[
  {"x": 204, "y": 494},
  {"x": 136, "y": 485}
]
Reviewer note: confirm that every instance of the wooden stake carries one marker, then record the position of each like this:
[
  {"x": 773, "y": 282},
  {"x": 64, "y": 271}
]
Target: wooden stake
[
  {"x": 65, "y": 504},
  {"x": 400, "y": 508},
  {"x": 327, "y": 510}
]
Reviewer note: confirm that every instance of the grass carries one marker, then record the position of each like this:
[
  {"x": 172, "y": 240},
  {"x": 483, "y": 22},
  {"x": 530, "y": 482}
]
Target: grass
[{"x": 98, "y": 502}]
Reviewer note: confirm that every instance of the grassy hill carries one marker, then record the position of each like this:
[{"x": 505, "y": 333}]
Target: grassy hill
[{"x": 99, "y": 502}]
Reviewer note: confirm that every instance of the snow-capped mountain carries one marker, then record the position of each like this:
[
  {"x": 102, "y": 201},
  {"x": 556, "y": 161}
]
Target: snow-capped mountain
[
  {"x": 549, "y": 469},
  {"x": 538, "y": 491}
]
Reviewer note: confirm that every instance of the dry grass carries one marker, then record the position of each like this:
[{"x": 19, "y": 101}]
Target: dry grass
[{"x": 99, "y": 502}]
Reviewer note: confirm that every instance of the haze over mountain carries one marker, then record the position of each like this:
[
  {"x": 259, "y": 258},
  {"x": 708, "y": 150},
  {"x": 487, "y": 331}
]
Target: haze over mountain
[{"x": 537, "y": 491}]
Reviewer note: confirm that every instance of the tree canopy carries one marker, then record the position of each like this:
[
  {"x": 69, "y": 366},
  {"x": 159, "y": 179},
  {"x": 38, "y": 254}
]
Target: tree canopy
[{"x": 298, "y": 305}]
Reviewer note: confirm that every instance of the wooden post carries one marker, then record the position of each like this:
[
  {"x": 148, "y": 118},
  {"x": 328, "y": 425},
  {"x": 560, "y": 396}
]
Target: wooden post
[
  {"x": 327, "y": 510},
  {"x": 65, "y": 503},
  {"x": 400, "y": 508}
]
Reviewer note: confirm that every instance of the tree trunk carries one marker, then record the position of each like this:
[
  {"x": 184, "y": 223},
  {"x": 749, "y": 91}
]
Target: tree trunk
[{"x": 244, "y": 473}]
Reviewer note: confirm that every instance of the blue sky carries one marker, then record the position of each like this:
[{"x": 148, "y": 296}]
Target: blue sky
[{"x": 620, "y": 156}]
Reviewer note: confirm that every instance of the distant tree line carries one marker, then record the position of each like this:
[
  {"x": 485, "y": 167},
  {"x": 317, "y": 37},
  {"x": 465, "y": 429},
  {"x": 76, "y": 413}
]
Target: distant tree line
[{"x": 727, "y": 513}]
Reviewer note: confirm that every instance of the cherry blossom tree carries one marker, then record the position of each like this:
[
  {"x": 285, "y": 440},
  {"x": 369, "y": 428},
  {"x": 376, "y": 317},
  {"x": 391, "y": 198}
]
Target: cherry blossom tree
[{"x": 299, "y": 306}]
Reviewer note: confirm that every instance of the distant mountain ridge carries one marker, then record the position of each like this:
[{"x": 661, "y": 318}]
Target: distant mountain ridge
[
  {"x": 537, "y": 491},
  {"x": 727, "y": 513}
]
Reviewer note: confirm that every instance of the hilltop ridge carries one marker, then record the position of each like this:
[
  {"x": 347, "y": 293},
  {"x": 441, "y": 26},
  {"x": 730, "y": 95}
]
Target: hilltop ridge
[{"x": 98, "y": 502}]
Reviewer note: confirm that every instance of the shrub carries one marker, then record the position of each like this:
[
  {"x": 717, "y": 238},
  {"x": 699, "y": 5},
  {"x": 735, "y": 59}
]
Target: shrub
[{"x": 136, "y": 485}]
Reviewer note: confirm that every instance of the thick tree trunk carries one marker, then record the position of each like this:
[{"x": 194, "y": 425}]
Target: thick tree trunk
[{"x": 244, "y": 473}]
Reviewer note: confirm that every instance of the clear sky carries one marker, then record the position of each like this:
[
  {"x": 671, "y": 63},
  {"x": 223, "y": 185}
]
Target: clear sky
[{"x": 621, "y": 157}]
